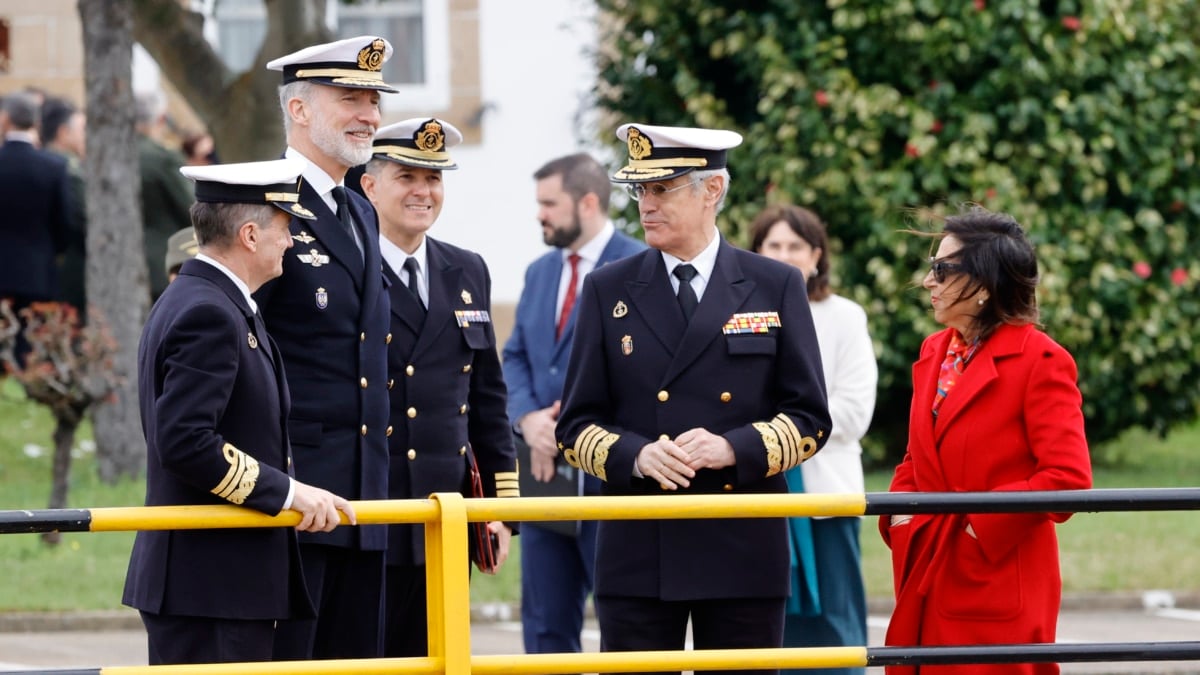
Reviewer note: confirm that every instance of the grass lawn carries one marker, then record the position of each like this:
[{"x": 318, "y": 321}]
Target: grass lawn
[{"x": 1100, "y": 551}]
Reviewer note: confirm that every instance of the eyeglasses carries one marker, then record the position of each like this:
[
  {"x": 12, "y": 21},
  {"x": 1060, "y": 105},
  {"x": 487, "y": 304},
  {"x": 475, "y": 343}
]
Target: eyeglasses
[
  {"x": 942, "y": 268},
  {"x": 638, "y": 190}
]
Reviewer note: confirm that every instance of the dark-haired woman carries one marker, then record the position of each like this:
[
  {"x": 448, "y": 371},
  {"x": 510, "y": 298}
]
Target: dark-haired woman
[
  {"x": 827, "y": 607},
  {"x": 995, "y": 408}
]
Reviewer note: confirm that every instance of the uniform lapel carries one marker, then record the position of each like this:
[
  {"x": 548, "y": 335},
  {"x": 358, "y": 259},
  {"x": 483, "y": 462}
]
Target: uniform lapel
[
  {"x": 723, "y": 295},
  {"x": 650, "y": 293},
  {"x": 404, "y": 306},
  {"x": 328, "y": 230},
  {"x": 444, "y": 280}
]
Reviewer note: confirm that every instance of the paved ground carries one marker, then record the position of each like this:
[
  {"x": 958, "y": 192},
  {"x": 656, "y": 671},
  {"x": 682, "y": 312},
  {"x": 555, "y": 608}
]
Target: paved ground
[{"x": 87, "y": 647}]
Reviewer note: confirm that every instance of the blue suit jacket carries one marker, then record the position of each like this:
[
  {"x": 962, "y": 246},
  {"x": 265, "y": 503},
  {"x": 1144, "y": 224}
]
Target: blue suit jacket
[
  {"x": 329, "y": 314},
  {"x": 639, "y": 371},
  {"x": 35, "y": 201},
  {"x": 535, "y": 363},
  {"x": 214, "y": 407},
  {"x": 447, "y": 391}
]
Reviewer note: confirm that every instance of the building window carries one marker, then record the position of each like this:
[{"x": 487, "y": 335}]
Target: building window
[{"x": 417, "y": 30}]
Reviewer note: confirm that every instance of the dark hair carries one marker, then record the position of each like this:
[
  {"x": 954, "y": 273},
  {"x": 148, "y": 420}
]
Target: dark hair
[
  {"x": 581, "y": 175},
  {"x": 56, "y": 112},
  {"x": 23, "y": 110},
  {"x": 809, "y": 227},
  {"x": 997, "y": 258},
  {"x": 217, "y": 223}
]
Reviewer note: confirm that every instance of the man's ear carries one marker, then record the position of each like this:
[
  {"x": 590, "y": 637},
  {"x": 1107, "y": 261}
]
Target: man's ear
[
  {"x": 589, "y": 203},
  {"x": 713, "y": 187},
  {"x": 247, "y": 235},
  {"x": 368, "y": 185},
  {"x": 298, "y": 110}
]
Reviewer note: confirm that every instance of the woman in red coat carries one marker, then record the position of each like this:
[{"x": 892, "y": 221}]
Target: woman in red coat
[{"x": 995, "y": 408}]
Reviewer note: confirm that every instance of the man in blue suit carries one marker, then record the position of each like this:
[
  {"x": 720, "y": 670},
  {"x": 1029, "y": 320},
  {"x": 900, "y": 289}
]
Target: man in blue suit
[
  {"x": 329, "y": 314},
  {"x": 557, "y": 564},
  {"x": 695, "y": 370},
  {"x": 447, "y": 389},
  {"x": 214, "y": 407}
]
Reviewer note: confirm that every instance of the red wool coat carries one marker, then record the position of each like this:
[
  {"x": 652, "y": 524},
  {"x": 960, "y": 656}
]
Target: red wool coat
[{"x": 1012, "y": 422}]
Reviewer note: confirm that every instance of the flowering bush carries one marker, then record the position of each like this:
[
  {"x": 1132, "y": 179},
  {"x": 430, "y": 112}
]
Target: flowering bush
[{"x": 1079, "y": 117}]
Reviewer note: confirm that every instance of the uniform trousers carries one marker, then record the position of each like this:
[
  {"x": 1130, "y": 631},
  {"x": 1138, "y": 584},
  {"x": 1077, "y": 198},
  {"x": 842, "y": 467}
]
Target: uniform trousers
[
  {"x": 407, "y": 624},
  {"x": 843, "y": 618},
  {"x": 647, "y": 624},
  {"x": 346, "y": 586},
  {"x": 557, "y": 571},
  {"x": 199, "y": 639}
]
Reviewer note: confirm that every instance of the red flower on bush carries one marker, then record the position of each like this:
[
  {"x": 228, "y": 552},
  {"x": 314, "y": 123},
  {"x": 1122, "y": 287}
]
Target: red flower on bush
[
  {"x": 980, "y": 5},
  {"x": 990, "y": 194},
  {"x": 1071, "y": 23},
  {"x": 912, "y": 150},
  {"x": 936, "y": 127},
  {"x": 1177, "y": 206},
  {"x": 933, "y": 85},
  {"x": 1179, "y": 276},
  {"x": 821, "y": 98},
  {"x": 1142, "y": 269}
]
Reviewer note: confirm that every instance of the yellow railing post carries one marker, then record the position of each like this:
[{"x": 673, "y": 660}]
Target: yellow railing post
[{"x": 447, "y": 583}]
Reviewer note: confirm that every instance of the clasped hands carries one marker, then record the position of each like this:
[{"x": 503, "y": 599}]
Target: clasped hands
[{"x": 674, "y": 462}]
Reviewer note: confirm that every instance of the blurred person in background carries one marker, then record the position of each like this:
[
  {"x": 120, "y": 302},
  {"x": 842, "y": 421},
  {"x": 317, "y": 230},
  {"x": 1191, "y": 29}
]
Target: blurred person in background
[
  {"x": 166, "y": 195},
  {"x": 64, "y": 132}
]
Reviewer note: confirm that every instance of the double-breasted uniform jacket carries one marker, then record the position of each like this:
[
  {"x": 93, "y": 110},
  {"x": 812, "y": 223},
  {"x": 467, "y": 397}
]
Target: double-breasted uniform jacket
[
  {"x": 214, "y": 407},
  {"x": 329, "y": 314},
  {"x": 35, "y": 201},
  {"x": 447, "y": 391},
  {"x": 746, "y": 367},
  {"x": 1013, "y": 421}
]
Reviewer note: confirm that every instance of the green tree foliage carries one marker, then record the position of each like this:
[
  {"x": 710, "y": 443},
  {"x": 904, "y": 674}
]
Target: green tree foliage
[{"x": 1078, "y": 117}]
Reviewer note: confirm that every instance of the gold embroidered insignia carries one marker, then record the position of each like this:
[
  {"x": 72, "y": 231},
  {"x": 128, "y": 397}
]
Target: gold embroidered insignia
[
  {"x": 429, "y": 137},
  {"x": 466, "y": 297},
  {"x": 640, "y": 146},
  {"x": 251, "y": 340},
  {"x": 314, "y": 258},
  {"x": 304, "y": 237},
  {"x": 240, "y": 479},
  {"x": 507, "y": 484},
  {"x": 620, "y": 310},
  {"x": 591, "y": 450},
  {"x": 785, "y": 446},
  {"x": 627, "y": 345},
  {"x": 371, "y": 57}
]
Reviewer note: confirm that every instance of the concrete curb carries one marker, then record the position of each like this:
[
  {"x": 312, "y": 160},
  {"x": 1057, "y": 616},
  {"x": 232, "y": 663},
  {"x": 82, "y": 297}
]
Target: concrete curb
[{"x": 128, "y": 619}]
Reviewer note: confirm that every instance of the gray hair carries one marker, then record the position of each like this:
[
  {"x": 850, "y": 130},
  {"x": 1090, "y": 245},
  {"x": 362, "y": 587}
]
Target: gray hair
[
  {"x": 698, "y": 177},
  {"x": 148, "y": 106},
  {"x": 301, "y": 89},
  {"x": 23, "y": 110}
]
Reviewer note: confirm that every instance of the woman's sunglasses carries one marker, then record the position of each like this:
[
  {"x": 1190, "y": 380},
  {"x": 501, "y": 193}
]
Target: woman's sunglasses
[{"x": 942, "y": 268}]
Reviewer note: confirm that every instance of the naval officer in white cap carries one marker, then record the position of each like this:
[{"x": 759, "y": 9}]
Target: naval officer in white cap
[
  {"x": 214, "y": 407},
  {"x": 329, "y": 315},
  {"x": 694, "y": 370}
]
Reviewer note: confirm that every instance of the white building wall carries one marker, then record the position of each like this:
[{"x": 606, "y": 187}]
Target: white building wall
[{"x": 536, "y": 74}]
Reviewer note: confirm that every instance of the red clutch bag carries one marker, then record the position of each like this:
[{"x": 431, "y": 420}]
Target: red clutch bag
[{"x": 482, "y": 543}]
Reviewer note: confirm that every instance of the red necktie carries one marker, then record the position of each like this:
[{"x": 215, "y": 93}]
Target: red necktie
[{"x": 569, "y": 298}]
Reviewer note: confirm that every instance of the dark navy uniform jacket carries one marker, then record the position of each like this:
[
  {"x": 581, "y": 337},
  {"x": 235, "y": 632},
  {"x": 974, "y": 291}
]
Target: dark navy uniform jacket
[
  {"x": 214, "y": 407},
  {"x": 747, "y": 368},
  {"x": 447, "y": 391},
  {"x": 329, "y": 314},
  {"x": 35, "y": 200}
]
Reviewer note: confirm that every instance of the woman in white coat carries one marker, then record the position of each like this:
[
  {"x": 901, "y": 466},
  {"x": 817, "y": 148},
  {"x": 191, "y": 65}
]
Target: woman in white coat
[{"x": 827, "y": 607}]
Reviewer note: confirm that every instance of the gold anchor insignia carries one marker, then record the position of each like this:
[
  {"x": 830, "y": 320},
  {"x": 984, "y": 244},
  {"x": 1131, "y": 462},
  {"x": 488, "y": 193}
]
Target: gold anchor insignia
[
  {"x": 429, "y": 137},
  {"x": 252, "y": 341},
  {"x": 639, "y": 144},
  {"x": 620, "y": 310},
  {"x": 466, "y": 297},
  {"x": 304, "y": 237}
]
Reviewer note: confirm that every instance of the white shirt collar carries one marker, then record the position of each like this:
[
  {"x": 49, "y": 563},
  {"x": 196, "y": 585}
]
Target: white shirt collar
[
  {"x": 241, "y": 285},
  {"x": 592, "y": 250},
  {"x": 18, "y": 135},
  {"x": 316, "y": 177},
  {"x": 395, "y": 257},
  {"x": 703, "y": 262}
]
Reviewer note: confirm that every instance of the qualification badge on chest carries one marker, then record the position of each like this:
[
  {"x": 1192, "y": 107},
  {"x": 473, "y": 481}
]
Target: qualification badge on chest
[{"x": 322, "y": 298}]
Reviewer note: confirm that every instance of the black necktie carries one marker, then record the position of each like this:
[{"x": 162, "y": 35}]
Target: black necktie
[
  {"x": 343, "y": 214},
  {"x": 411, "y": 266},
  {"x": 686, "y": 294}
]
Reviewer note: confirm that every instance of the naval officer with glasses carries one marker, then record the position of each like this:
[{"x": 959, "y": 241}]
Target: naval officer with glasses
[{"x": 695, "y": 370}]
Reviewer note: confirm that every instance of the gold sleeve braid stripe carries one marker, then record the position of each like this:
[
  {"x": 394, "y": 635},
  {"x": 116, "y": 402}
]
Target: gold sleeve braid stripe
[
  {"x": 592, "y": 450},
  {"x": 785, "y": 446},
  {"x": 507, "y": 484},
  {"x": 240, "y": 479}
]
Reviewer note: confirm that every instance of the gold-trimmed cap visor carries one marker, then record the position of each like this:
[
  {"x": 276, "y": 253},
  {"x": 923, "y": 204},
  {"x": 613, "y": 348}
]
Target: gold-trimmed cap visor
[
  {"x": 355, "y": 63},
  {"x": 423, "y": 143},
  {"x": 662, "y": 153},
  {"x": 271, "y": 182}
]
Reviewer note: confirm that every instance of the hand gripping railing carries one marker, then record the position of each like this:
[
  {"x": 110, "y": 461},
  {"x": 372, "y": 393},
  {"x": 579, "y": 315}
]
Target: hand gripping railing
[{"x": 446, "y": 516}]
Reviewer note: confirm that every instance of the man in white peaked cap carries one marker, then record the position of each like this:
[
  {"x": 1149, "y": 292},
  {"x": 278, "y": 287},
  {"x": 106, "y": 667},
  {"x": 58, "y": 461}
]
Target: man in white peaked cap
[
  {"x": 448, "y": 392},
  {"x": 329, "y": 315},
  {"x": 214, "y": 406},
  {"x": 695, "y": 370}
]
